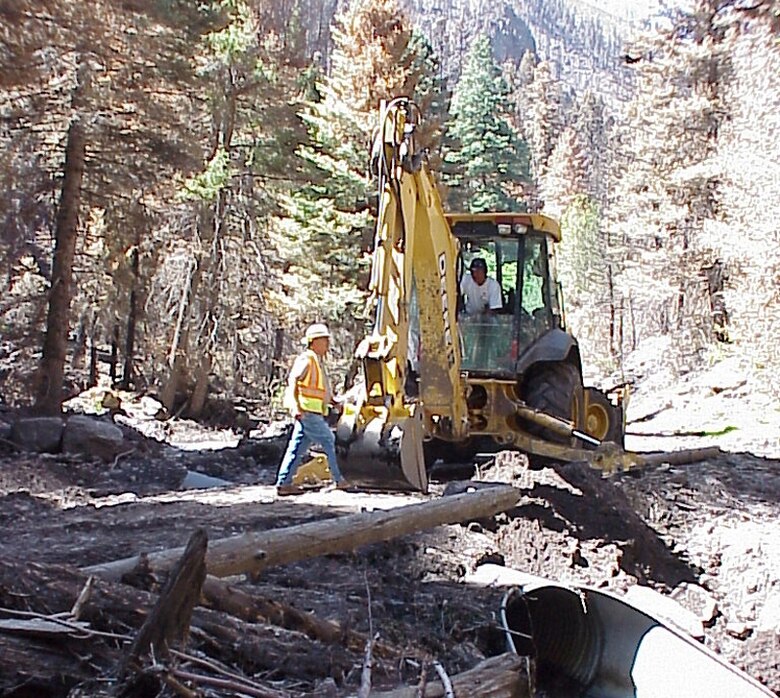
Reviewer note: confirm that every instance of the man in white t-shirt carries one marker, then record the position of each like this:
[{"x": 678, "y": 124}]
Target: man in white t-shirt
[{"x": 481, "y": 294}]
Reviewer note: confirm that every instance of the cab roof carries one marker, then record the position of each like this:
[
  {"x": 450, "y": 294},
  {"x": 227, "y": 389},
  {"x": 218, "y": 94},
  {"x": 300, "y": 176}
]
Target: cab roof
[{"x": 537, "y": 221}]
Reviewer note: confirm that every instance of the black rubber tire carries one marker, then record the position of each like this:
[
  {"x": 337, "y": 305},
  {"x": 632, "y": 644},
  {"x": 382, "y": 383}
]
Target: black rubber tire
[
  {"x": 554, "y": 388},
  {"x": 603, "y": 420}
]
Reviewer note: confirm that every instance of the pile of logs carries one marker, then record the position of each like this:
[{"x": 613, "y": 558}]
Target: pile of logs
[{"x": 115, "y": 630}]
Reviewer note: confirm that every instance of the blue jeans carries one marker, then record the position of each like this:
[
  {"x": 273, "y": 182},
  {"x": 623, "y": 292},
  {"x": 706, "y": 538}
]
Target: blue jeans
[{"x": 309, "y": 428}]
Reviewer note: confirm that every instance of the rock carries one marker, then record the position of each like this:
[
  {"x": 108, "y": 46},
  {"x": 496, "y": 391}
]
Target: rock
[
  {"x": 665, "y": 609},
  {"x": 39, "y": 434},
  {"x": 769, "y": 616},
  {"x": 738, "y": 630},
  {"x": 92, "y": 437},
  {"x": 697, "y": 600},
  {"x": 194, "y": 480},
  {"x": 273, "y": 430},
  {"x": 152, "y": 408}
]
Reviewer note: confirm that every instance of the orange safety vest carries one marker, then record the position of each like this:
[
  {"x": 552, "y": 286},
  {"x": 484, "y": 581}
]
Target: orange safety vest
[{"x": 311, "y": 387}]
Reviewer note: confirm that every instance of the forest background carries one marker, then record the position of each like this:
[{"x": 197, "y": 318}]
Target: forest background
[{"x": 185, "y": 185}]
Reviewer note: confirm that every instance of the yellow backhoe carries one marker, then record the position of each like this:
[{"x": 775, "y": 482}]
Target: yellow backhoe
[{"x": 436, "y": 383}]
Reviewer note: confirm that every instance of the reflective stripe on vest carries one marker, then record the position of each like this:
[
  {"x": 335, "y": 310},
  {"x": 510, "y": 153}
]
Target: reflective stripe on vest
[{"x": 311, "y": 387}]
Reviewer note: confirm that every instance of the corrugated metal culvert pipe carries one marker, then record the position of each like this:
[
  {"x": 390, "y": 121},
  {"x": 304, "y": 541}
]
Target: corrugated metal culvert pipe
[{"x": 591, "y": 644}]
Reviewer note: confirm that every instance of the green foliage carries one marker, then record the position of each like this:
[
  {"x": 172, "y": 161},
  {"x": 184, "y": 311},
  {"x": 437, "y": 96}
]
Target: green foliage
[
  {"x": 486, "y": 162},
  {"x": 206, "y": 185},
  {"x": 325, "y": 224}
]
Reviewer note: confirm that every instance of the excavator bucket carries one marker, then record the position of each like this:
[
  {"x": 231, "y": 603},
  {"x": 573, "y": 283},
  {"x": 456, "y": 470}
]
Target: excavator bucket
[{"x": 383, "y": 454}]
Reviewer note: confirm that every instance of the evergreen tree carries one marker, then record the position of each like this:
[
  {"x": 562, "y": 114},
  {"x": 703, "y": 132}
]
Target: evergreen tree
[
  {"x": 519, "y": 77},
  {"x": 430, "y": 94},
  {"x": 325, "y": 230},
  {"x": 544, "y": 118},
  {"x": 591, "y": 128},
  {"x": 566, "y": 173},
  {"x": 668, "y": 178},
  {"x": 486, "y": 162}
]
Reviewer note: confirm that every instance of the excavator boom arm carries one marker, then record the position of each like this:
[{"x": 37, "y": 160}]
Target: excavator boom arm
[{"x": 414, "y": 291}]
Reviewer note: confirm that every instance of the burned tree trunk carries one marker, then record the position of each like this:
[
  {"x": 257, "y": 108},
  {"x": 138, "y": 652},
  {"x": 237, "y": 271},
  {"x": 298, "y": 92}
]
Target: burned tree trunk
[
  {"x": 91, "y": 649},
  {"x": 168, "y": 624},
  {"x": 132, "y": 319},
  {"x": 52, "y": 367}
]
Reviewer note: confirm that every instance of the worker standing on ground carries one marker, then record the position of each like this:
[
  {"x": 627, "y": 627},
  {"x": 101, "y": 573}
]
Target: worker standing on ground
[{"x": 309, "y": 397}]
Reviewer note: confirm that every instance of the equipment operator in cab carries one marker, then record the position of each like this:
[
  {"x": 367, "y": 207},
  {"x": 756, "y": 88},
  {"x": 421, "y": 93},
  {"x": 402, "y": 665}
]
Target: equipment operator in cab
[{"x": 481, "y": 294}]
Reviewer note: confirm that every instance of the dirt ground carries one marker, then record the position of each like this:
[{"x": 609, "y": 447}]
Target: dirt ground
[{"x": 704, "y": 530}]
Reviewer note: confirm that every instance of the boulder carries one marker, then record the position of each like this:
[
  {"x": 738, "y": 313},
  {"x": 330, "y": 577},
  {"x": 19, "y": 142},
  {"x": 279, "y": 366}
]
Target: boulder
[
  {"x": 92, "y": 437},
  {"x": 697, "y": 600},
  {"x": 39, "y": 434}
]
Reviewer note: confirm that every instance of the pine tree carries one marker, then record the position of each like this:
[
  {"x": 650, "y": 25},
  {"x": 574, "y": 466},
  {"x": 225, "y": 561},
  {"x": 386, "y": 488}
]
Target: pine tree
[
  {"x": 486, "y": 162},
  {"x": 584, "y": 271},
  {"x": 430, "y": 94},
  {"x": 324, "y": 232},
  {"x": 519, "y": 77},
  {"x": 668, "y": 180},
  {"x": 89, "y": 86},
  {"x": 545, "y": 121}
]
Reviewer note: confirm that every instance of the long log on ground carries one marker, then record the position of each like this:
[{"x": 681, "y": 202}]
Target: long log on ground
[
  {"x": 689, "y": 455},
  {"x": 256, "y": 551},
  {"x": 504, "y": 676}
]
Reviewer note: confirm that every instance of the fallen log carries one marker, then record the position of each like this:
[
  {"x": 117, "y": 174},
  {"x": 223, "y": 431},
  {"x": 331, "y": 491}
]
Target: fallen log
[
  {"x": 58, "y": 660},
  {"x": 504, "y": 676},
  {"x": 256, "y": 551},
  {"x": 248, "y": 607},
  {"x": 689, "y": 455}
]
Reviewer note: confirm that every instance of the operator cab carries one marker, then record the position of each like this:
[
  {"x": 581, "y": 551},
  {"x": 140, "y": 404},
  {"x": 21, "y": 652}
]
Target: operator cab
[{"x": 517, "y": 250}]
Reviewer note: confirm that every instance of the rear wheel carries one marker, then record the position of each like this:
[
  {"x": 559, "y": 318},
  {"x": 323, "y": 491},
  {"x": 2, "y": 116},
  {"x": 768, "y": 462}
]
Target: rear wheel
[
  {"x": 554, "y": 388},
  {"x": 603, "y": 420}
]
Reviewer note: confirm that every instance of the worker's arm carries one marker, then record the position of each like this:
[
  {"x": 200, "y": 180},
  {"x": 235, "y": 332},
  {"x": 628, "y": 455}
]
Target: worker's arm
[
  {"x": 495, "y": 299},
  {"x": 297, "y": 373}
]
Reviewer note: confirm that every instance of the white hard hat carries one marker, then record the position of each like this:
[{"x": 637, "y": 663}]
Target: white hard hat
[{"x": 314, "y": 331}]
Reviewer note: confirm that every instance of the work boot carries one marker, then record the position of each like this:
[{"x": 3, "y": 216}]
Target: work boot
[
  {"x": 344, "y": 484},
  {"x": 284, "y": 490}
]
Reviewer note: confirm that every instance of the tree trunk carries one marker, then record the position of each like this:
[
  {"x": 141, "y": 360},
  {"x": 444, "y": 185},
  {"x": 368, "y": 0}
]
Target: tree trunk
[
  {"x": 114, "y": 360},
  {"x": 52, "y": 367},
  {"x": 132, "y": 312},
  {"x": 201, "y": 390},
  {"x": 177, "y": 358},
  {"x": 613, "y": 350},
  {"x": 92, "y": 379},
  {"x": 254, "y": 552},
  {"x": 168, "y": 623}
]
